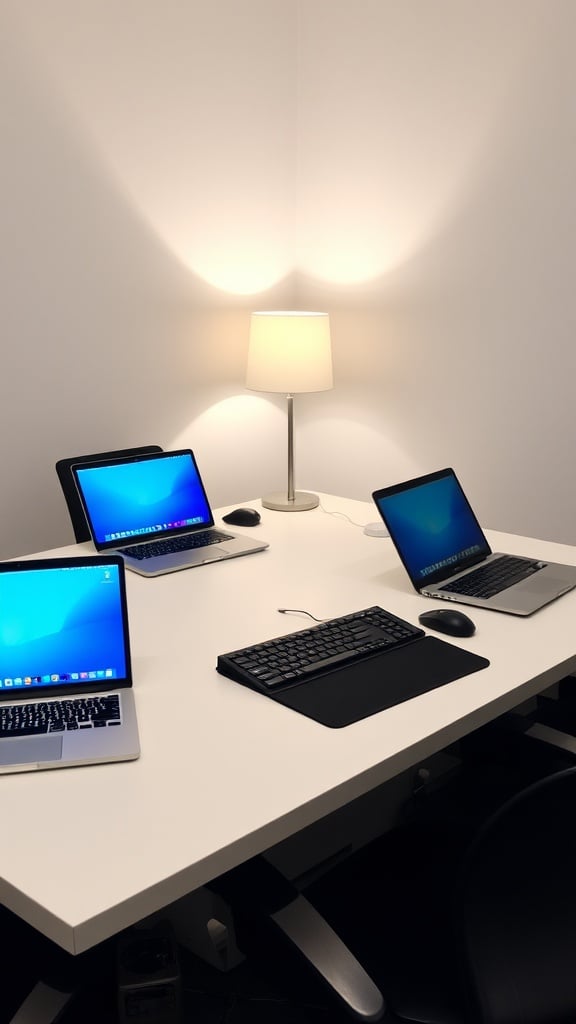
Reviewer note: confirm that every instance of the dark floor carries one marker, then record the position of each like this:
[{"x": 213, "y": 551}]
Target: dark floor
[
  {"x": 240, "y": 996},
  {"x": 248, "y": 994}
]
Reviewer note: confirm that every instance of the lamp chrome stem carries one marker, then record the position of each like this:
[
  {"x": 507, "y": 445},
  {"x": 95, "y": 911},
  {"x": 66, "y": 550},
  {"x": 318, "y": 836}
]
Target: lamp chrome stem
[
  {"x": 293, "y": 501},
  {"x": 290, "y": 401}
]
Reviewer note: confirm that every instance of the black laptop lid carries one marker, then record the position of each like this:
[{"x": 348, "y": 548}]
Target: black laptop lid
[
  {"x": 432, "y": 526},
  {"x": 63, "y": 627},
  {"x": 142, "y": 498}
]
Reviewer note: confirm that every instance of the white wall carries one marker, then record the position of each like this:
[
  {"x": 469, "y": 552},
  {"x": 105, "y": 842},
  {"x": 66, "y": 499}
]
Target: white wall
[
  {"x": 439, "y": 227},
  {"x": 146, "y": 194},
  {"x": 408, "y": 166}
]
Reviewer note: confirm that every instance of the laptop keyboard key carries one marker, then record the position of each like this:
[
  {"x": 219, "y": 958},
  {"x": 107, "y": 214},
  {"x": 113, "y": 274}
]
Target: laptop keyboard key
[
  {"x": 489, "y": 580},
  {"x": 172, "y": 545}
]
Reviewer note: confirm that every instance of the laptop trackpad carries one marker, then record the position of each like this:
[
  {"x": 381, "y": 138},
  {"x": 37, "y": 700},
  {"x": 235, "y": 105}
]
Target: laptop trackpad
[
  {"x": 545, "y": 583},
  {"x": 30, "y": 749}
]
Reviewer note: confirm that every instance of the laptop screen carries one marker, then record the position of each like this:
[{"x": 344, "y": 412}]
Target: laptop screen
[
  {"x": 133, "y": 500},
  {"x": 432, "y": 526},
  {"x": 63, "y": 626}
]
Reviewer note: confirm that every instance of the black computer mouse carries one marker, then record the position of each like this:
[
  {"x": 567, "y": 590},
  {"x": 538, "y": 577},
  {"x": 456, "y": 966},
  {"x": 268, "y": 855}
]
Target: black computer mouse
[
  {"x": 448, "y": 620},
  {"x": 242, "y": 517}
]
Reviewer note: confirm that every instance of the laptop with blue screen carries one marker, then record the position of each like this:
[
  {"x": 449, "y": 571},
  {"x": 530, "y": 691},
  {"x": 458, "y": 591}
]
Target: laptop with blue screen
[
  {"x": 65, "y": 669},
  {"x": 447, "y": 556},
  {"x": 153, "y": 510}
]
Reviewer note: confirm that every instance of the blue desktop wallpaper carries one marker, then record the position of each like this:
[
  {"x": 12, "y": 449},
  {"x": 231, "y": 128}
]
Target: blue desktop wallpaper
[
  {"x": 128, "y": 500},
  {"x": 432, "y": 526},
  {"x": 61, "y": 626}
]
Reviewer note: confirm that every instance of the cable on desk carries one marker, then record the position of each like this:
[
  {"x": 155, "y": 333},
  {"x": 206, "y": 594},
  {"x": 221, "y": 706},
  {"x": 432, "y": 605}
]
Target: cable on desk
[
  {"x": 370, "y": 529},
  {"x": 343, "y": 516},
  {"x": 300, "y": 611}
]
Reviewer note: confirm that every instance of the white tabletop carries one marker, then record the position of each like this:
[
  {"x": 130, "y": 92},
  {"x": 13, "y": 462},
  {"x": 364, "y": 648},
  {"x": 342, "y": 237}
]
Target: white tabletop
[{"x": 226, "y": 773}]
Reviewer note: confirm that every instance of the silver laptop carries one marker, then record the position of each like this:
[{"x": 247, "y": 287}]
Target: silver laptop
[
  {"x": 65, "y": 672},
  {"x": 153, "y": 510},
  {"x": 447, "y": 556}
]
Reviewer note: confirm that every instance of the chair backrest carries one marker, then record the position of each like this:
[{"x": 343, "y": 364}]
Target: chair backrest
[
  {"x": 64, "y": 471},
  {"x": 517, "y": 900}
]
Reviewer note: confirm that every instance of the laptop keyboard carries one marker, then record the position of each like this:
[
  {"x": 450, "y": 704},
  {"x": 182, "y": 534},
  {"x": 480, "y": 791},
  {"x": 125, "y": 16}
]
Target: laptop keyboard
[
  {"x": 491, "y": 579},
  {"x": 309, "y": 653},
  {"x": 59, "y": 715},
  {"x": 172, "y": 545}
]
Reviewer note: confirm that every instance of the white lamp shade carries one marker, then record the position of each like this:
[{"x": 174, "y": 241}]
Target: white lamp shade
[{"x": 289, "y": 352}]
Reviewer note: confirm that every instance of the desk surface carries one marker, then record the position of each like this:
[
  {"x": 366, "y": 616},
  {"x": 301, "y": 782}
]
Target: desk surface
[{"x": 224, "y": 772}]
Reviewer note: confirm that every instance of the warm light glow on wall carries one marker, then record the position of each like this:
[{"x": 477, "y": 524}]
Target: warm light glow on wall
[
  {"x": 393, "y": 134},
  {"x": 235, "y": 428},
  {"x": 171, "y": 100},
  {"x": 233, "y": 413},
  {"x": 255, "y": 143}
]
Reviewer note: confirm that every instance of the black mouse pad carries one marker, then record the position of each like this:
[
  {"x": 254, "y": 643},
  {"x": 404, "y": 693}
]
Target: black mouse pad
[{"x": 352, "y": 692}]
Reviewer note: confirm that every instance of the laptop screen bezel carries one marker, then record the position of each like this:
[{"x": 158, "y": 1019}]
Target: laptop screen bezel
[
  {"x": 446, "y": 572},
  {"x": 154, "y": 535},
  {"x": 75, "y": 688}
]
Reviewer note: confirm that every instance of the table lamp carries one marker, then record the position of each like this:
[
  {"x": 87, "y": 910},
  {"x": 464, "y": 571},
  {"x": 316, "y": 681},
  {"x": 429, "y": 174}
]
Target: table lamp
[{"x": 289, "y": 352}]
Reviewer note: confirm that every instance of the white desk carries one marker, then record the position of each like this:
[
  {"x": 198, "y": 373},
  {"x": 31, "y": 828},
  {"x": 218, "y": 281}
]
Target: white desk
[{"x": 226, "y": 773}]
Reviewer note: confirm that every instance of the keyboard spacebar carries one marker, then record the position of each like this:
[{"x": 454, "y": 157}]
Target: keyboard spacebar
[{"x": 334, "y": 660}]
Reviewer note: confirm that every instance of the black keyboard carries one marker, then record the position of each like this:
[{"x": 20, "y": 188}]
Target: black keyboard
[
  {"x": 29, "y": 719},
  {"x": 309, "y": 653},
  {"x": 494, "y": 577},
  {"x": 171, "y": 545}
]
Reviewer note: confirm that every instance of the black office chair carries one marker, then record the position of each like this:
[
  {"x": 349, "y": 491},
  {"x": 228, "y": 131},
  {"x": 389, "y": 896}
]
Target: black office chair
[
  {"x": 519, "y": 876},
  {"x": 452, "y": 921},
  {"x": 64, "y": 471},
  {"x": 454, "y": 929}
]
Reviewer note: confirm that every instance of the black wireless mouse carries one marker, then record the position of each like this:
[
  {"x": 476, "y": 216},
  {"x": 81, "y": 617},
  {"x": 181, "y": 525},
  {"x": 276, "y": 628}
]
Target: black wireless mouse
[
  {"x": 242, "y": 517},
  {"x": 448, "y": 620}
]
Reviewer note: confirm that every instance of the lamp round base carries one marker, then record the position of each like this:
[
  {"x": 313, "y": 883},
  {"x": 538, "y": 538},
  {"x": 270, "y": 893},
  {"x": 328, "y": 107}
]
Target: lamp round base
[{"x": 303, "y": 502}]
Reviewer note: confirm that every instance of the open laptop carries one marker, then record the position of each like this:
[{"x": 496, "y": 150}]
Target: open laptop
[
  {"x": 65, "y": 672},
  {"x": 153, "y": 510},
  {"x": 447, "y": 556}
]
